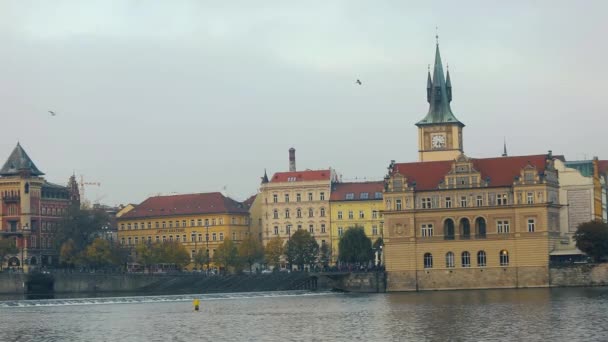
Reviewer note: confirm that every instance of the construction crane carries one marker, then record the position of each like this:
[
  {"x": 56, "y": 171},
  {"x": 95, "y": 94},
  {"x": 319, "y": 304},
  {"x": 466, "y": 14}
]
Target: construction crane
[{"x": 83, "y": 184}]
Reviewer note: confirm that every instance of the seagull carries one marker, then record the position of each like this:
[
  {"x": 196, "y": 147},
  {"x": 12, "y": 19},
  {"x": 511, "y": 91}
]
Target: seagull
[
  {"x": 358, "y": 82},
  {"x": 52, "y": 113}
]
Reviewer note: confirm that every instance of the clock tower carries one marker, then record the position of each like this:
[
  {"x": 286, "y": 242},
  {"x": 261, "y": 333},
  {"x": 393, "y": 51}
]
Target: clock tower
[{"x": 439, "y": 133}]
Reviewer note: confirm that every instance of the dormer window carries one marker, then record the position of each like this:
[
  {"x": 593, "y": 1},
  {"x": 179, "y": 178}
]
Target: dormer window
[{"x": 350, "y": 196}]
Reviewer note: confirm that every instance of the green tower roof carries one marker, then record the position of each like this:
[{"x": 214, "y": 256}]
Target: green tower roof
[
  {"x": 19, "y": 162},
  {"x": 439, "y": 96}
]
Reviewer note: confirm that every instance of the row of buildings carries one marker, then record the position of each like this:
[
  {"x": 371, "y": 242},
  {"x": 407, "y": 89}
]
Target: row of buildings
[{"x": 448, "y": 220}]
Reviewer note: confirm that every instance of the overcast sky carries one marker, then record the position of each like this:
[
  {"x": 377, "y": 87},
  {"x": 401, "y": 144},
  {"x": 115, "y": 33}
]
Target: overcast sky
[{"x": 191, "y": 96}]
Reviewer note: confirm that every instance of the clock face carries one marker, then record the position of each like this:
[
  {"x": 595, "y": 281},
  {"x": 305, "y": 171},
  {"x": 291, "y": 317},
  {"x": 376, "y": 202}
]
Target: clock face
[{"x": 438, "y": 141}]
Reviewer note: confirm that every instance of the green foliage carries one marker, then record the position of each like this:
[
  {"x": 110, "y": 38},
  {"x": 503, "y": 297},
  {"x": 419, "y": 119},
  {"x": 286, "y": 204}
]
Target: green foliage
[
  {"x": 324, "y": 254},
  {"x": 355, "y": 246},
  {"x": 302, "y": 249},
  {"x": 79, "y": 226},
  {"x": 170, "y": 252},
  {"x": 251, "y": 251},
  {"x": 68, "y": 255},
  {"x": 379, "y": 242},
  {"x": 99, "y": 254},
  {"x": 201, "y": 258},
  {"x": 592, "y": 239},
  {"x": 226, "y": 254},
  {"x": 7, "y": 247},
  {"x": 273, "y": 251}
]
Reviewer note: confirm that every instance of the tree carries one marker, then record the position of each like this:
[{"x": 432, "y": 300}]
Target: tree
[
  {"x": 355, "y": 246},
  {"x": 99, "y": 254},
  {"x": 251, "y": 251},
  {"x": 170, "y": 252},
  {"x": 302, "y": 249},
  {"x": 201, "y": 258},
  {"x": 226, "y": 254},
  {"x": 592, "y": 239},
  {"x": 324, "y": 254},
  {"x": 80, "y": 226},
  {"x": 273, "y": 251},
  {"x": 68, "y": 255},
  {"x": 7, "y": 247}
]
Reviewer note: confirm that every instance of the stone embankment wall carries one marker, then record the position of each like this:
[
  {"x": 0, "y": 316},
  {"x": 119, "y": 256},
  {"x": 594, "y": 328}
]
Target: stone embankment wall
[
  {"x": 12, "y": 282},
  {"x": 372, "y": 282},
  {"x": 579, "y": 275}
]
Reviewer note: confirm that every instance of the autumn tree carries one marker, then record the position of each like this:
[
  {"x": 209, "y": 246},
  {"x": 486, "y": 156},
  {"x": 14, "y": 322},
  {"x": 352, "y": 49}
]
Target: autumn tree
[
  {"x": 273, "y": 251},
  {"x": 226, "y": 254},
  {"x": 68, "y": 254},
  {"x": 201, "y": 258},
  {"x": 302, "y": 249},
  {"x": 592, "y": 239},
  {"x": 251, "y": 251},
  {"x": 354, "y": 246},
  {"x": 7, "y": 247},
  {"x": 99, "y": 254},
  {"x": 170, "y": 252}
]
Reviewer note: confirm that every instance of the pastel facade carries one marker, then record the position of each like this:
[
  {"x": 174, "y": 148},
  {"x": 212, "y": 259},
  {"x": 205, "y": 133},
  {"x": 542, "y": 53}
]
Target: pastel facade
[
  {"x": 31, "y": 210},
  {"x": 454, "y": 222},
  {"x": 201, "y": 222},
  {"x": 356, "y": 204}
]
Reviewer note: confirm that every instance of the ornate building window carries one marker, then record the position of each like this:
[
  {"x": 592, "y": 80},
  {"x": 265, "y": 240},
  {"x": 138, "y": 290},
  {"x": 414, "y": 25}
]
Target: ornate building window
[
  {"x": 350, "y": 196},
  {"x": 426, "y": 203},
  {"x": 310, "y": 196},
  {"x": 322, "y": 196},
  {"x": 465, "y": 259},
  {"x": 448, "y": 229},
  {"x": 322, "y": 212},
  {"x": 311, "y": 229},
  {"x": 531, "y": 225},
  {"x": 479, "y": 200},
  {"x": 286, "y": 213},
  {"x": 288, "y": 229},
  {"x": 480, "y": 228},
  {"x": 504, "y": 258},
  {"x": 310, "y": 212},
  {"x": 233, "y": 236},
  {"x": 361, "y": 214},
  {"x": 449, "y": 260},
  {"x": 463, "y": 201},
  {"x": 501, "y": 199},
  {"x": 298, "y": 197},
  {"x": 339, "y": 215},
  {"x": 323, "y": 228},
  {"x": 427, "y": 230},
  {"x": 276, "y": 230},
  {"x": 448, "y": 202},
  {"x": 340, "y": 231},
  {"x": 286, "y": 198},
  {"x": 530, "y": 198},
  {"x": 465, "y": 228},
  {"x": 428, "y": 260},
  {"x": 299, "y": 213},
  {"x": 374, "y": 214},
  {"x": 502, "y": 227},
  {"x": 397, "y": 204},
  {"x": 374, "y": 230},
  {"x": 275, "y": 198},
  {"x": 275, "y": 214},
  {"x": 350, "y": 215},
  {"x": 481, "y": 259},
  {"x": 214, "y": 237}
]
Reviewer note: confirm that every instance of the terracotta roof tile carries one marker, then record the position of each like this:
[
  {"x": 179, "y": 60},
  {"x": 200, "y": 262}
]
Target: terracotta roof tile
[
  {"x": 301, "y": 176},
  {"x": 501, "y": 171},
  {"x": 339, "y": 191},
  {"x": 188, "y": 204},
  {"x": 603, "y": 166}
]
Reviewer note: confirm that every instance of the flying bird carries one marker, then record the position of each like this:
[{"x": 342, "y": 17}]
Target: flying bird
[
  {"x": 358, "y": 82},
  {"x": 52, "y": 113}
]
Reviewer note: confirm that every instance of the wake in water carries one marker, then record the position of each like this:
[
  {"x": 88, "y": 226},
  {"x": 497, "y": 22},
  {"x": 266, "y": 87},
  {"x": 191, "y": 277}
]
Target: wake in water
[{"x": 155, "y": 299}]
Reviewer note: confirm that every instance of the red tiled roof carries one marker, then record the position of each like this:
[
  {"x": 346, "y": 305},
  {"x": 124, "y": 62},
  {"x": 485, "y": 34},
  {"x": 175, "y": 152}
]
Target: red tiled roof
[
  {"x": 501, "y": 170},
  {"x": 189, "y": 204},
  {"x": 249, "y": 202},
  {"x": 339, "y": 190},
  {"x": 301, "y": 176}
]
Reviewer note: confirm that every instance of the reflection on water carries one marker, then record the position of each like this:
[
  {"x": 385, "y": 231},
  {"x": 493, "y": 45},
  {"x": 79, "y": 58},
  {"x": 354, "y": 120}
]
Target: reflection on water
[{"x": 576, "y": 314}]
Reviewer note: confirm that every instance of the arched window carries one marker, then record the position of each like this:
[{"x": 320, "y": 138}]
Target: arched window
[
  {"x": 449, "y": 260},
  {"x": 481, "y": 259},
  {"x": 299, "y": 212},
  {"x": 504, "y": 258},
  {"x": 322, "y": 212},
  {"x": 310, "y": 212},
  {"x": 275, "y": 214},
  {"x": 428, "y": 260},
  {"x": 480, "y": 228},
  {"x": 466, "y": 259},
  {"x": 286, "y": 213},
  {"x": 465, "y": 228},
  {"x": 448, "y": 229}
]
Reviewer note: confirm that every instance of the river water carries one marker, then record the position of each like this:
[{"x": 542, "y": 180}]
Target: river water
[{"x": 570, "y": 314}]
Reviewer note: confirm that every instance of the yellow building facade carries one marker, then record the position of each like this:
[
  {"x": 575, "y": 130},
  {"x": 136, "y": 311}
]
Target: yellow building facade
[
  {"x": 454, "y": 222},
  {"x": 201, "y": 222},
  {"x": 356, "y": 204}
]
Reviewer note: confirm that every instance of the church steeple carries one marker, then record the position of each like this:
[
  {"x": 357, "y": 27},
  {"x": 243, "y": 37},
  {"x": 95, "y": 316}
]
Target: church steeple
[
  {"x": 265, "y": 177},
  {"x": 439, "y": 96}
]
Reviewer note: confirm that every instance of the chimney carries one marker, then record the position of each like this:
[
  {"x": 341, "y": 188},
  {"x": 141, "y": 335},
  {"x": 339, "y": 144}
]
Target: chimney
[{"x": 292, "y": 159}]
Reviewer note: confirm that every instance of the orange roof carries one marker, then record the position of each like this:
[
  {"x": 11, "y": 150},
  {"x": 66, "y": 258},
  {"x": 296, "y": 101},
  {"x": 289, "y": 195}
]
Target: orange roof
[
  {"x": 356, "y": 191},
  {"x": 301, "y": 176},
  {"x": 603, "y": 166},
  {"x": 189, "y": 204},
  {"x": 500, "y": 171}
]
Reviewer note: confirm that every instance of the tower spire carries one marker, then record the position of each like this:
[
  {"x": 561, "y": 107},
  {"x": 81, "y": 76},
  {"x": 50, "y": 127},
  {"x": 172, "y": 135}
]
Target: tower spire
[
  {"x": 504, "y": 152},
  {"x": 439, "y": 94}
]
